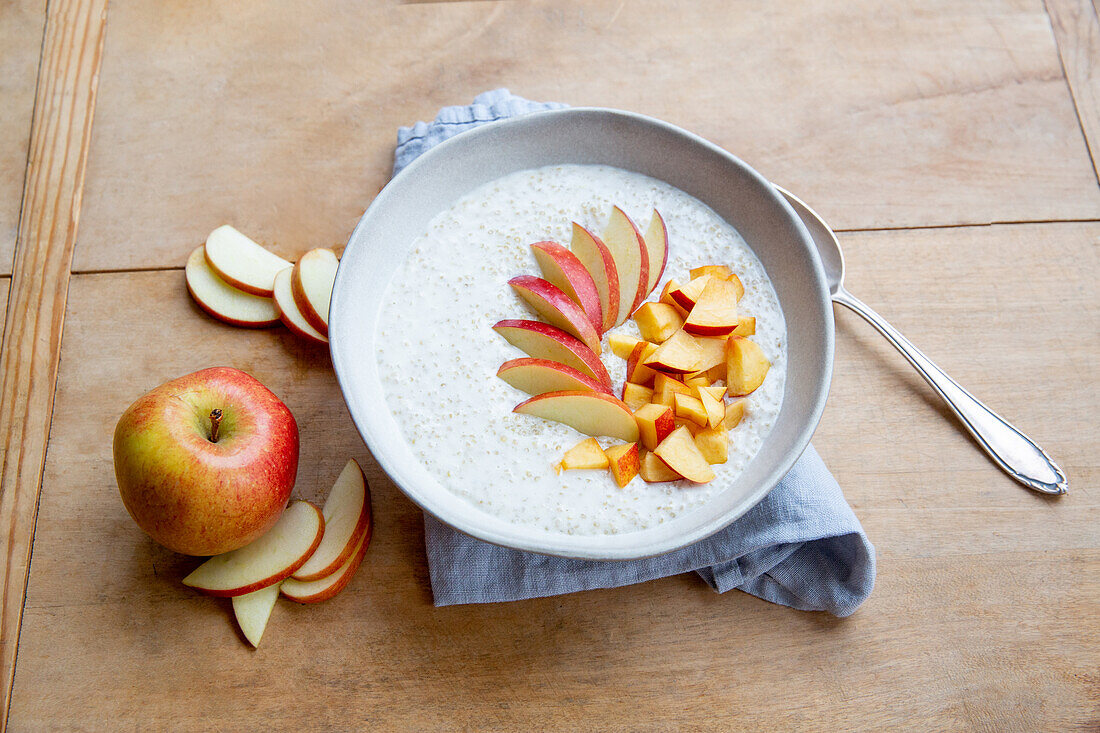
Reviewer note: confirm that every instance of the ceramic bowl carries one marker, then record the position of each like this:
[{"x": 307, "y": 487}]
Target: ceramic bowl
[{"x": 402, "y": 211}]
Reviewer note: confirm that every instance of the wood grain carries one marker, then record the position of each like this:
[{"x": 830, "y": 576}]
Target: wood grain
[
  {"x": 21, "y": 24},
  {"x": 1076, "y": 25},
  {"x": 36, "y": 309},
  {"x": 983, "y": 617},
  {"x": 281, "y": 119}
]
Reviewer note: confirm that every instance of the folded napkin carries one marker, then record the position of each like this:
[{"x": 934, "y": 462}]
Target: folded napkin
[{"x": 801, "y": 546}]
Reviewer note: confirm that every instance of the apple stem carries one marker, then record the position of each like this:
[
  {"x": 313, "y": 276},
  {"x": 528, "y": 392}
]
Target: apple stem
[{"x": 215, "y": 421}]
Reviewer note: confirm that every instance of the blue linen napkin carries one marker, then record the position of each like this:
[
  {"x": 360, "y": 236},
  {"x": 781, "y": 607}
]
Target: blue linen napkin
[{"x": 802, "y": 546}]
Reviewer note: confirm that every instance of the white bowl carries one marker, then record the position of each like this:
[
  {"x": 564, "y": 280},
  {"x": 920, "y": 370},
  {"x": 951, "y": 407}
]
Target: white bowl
[{"x": 402, "y": 211}]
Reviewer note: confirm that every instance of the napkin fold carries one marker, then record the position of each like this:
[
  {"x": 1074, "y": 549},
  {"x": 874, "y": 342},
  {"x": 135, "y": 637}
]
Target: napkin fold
[{"x": 801, "y": 546}]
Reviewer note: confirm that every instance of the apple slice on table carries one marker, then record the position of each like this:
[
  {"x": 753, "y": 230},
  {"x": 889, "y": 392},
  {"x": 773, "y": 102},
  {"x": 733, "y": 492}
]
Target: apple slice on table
[
  {"x": 556, "y": 307},
  {"x": 289, "y": 313},
  {"x": 223, "y": 301},
  {"x": 624, "y": 462},
  {"x": 585, "y": 454},
  {"x": 656, "y": 244},
  {"x": 715, "y": 312},
  {"x": 628, "y": 249},
  {"x": 653, "y": 470},
  {"x": 541, "y": 341},
  {"x": 266, "y": 561},
  {"x": 563, "y": 269},
  {"x": 347, "y": 514},
  {"x": 315, "y": 591},
  {"x": 242, "y": 263},
  {"x": 681, "y": 454},
  {"x": 678, "y": 355},
  {"x": 311, "y": 283},
  {"x": 597, "y": 259},
  {"x": 538, "y": 376},
  {"x": 253, "y": 610},
  {"x": 746, "y": 366},
  {"x": 591, "y": 413}
]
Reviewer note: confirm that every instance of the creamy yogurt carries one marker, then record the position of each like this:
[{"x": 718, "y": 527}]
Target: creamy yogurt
[{"x": 438, "y": 354}]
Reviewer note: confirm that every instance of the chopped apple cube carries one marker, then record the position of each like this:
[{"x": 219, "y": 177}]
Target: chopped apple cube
[
  {"x": 636, "y": 371},
  {"x": 585, "y": 454},
  {"x": 671, "y": 385},
  {"x": 658, "y": 321},
  {"x": 653, "y": 470},
  {"x": 713, "y": 443},
  {"x": 697, "y": 379},
  {"x": 746, "y": 366},
  {"x": 635, "y": 395},
  {"x": 714, "y": 353},
  {"x": 692, "y": 427},
  {"x": 717, "y": 372},
  {"x": 655, "y": 422},
  {"x": 716, "y": 392},
  {"x": 622, "y": 345},
  {"x": 624, "y": 462},
  {"x": 738, "y": 285},
  {"x": 735, "y": 411},
  {"x": 666, "y": 297},
  {"x": 681, "y": 454},
  {"x": 746, "y": 326},
  {"x": 690, "y": 408},
  {"x": 715, "y": 409},
  {"x": 686, "y": 296},
  {"x": 678, "y": 355},
  {"x": 715, "y": 312}
]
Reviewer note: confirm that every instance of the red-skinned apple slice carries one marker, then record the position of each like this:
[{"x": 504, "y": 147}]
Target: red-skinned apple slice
[
  {"x": 715, "y": 312},
  {"x": 253, "y": 610},
  {"x": 556, "y": 307},
  {"x": 311, "y": 283},
  {"x": 347, "y": 514},
  {"x": 539, "y": 376},
  {"x": 597, "y": 259},
  {"x": 591, "y": 413},
  {"x": 562, "y": 268},
  {"x": 687, "y": 295},
  {"x": 223, "y": 301},
  {"x": 541, "y": 341},
  {"x": 315, "y": 591},
  {"x": 242, "y": 263},
  {"x": 628, "y": 249},
  {"x": 266, "y": 561},
  {"x": 289, "y": 313},
  {"x": 656, "y": 243}
]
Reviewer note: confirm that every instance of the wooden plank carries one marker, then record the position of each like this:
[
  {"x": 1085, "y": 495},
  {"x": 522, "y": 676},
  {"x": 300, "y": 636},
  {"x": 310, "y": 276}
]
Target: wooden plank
[
  {"x": 21, "y": 24},
  {"x": 1077, "y": 27},
  {"x": 282, "y": 120},
  {"x": 982, "y": 617},
  {"x": 32, "y": 326}
]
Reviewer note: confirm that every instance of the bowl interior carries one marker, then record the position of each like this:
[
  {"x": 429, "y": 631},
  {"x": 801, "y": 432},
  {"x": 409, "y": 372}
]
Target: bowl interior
[{"x": 402, "y": 212}]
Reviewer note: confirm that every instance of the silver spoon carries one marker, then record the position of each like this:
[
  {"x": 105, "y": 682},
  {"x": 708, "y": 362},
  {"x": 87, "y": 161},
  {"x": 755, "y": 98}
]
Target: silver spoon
[{"x": 1010, "y": 449}]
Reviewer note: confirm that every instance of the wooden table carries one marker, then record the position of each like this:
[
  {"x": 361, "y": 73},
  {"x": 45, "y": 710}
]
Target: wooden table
[{"x": 949, "y": 143}]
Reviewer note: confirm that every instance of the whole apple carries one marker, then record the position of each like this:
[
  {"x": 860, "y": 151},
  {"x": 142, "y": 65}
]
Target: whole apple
[{"x": 205, "y": 463}]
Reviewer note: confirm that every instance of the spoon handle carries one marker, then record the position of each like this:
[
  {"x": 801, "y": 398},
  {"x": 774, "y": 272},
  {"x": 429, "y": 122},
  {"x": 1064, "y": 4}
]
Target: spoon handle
[{"x": 1010, "y": 449}]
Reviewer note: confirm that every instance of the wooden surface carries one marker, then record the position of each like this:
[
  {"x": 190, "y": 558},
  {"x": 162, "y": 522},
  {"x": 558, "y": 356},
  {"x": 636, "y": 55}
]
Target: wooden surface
[{"x": 915, "y": 127}]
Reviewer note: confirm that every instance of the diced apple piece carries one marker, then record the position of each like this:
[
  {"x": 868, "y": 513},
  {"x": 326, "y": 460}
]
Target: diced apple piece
[
  {"x": 597, "y": 259},
  {"x": 311, "y": 282},
  {"x": 635, "y": 395},
  {"x": 681, "y": 454},
  {"x": 713, "y": 443},
  {"x": 657, "y": 321},
  {"x": 686, "y": 296},
  {"x": 289, "y": 312},
  {"x": 715, "y": 313},
  {"x": 678, "y": 355},
  {"x": 655, "y": 422},
  {"x": 622, "y": 345},
  {"x": 746, "y": 366},
  {"x": 746, "y": 326},
  {"x": 585, "y": 454},
  {"x": 717, "y": 372},
  {"x": 242, "y": 263},
  {"x": 556, "y": 307},
  {"x": 273, "y": 557},
  {"x": 537, "y": 376},
  {"x": 541, "y": 341},
  {"x": 628, "y": 249},
  {"x": 696, "y": 379},
  {"x": 719, "y": 271},
  {"x": 653, "y": 470},
  {"x": 692, "y": 427},
  {"x": 636, "y": 371},
  {"x": 735, "y": 411},
  {"x": 690, "y": 408},
  {"x": 666, "y": 297},
  {"x": 738, "y": 285},
  {"x": 347, "y": 513},
  {"x": 562, "y": 268},
  {"x": 624, "y": 462},
  {"x": 715, "y": 409},
  {"x": 591, "y": 413},
  {"x": 315, "y": 591},
  {"x": 718, "y": 393},
  {"x": 714, "y": 353},
  {"x": 252, "y": 611},
  {"x": 223, "y": 301},
  {"x": 656, "y": 242},
  {"x": 665, "y": 383}
]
